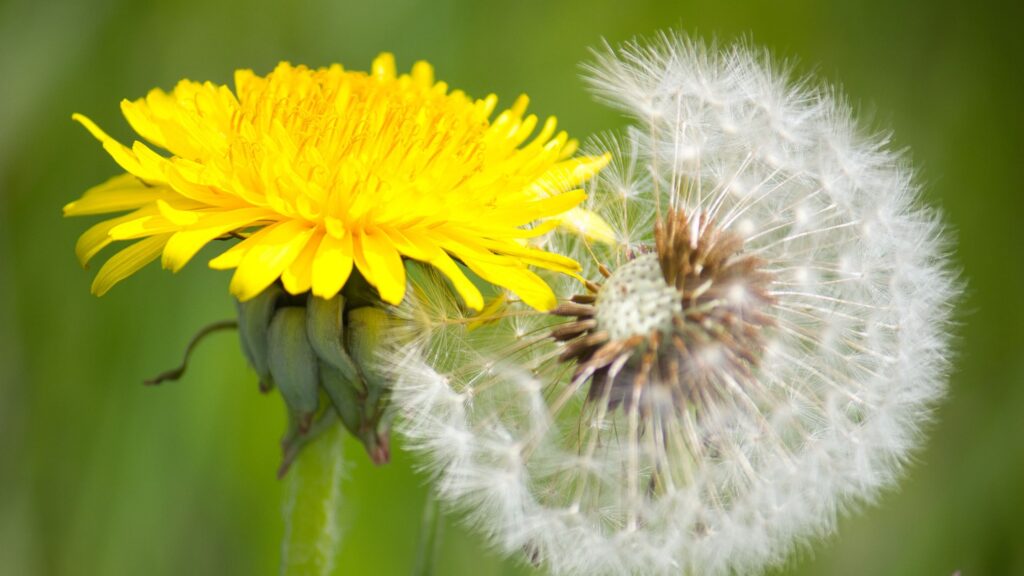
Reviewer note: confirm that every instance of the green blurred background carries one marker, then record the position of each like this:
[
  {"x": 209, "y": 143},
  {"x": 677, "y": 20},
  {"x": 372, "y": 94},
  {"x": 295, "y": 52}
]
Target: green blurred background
[{"x": 99, "y": 475}]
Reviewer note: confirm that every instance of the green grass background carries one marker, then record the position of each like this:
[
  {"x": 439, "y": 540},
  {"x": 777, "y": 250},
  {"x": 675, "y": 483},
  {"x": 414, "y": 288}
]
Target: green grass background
[{"x": 99, "y": 475}]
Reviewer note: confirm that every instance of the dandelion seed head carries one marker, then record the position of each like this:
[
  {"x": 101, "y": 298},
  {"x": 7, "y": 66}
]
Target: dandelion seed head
[{"x": 755, "y": 355}]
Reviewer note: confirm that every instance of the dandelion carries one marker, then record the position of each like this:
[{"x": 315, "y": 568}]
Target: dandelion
[
  {"x": 330, "y": 181},
  {"x": 322, "y": 170},
  {"x": 755, "y": 353}
]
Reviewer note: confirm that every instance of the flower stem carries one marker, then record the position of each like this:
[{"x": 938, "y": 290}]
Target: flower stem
[
  {"x": 430, "y": 539},
  {"x": 312, "y": 506}
]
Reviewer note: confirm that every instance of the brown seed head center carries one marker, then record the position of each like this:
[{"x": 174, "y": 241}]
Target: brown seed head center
[{"x": 674, "y": 321}]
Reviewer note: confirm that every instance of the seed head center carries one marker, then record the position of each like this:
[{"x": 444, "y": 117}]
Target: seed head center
[
  {"x": 685, "y": 322},
  {"x": 636, "y": 300}
]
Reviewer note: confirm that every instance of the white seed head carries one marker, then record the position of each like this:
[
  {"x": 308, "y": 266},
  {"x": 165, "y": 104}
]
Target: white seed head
[{"x": 779, "y": 373}]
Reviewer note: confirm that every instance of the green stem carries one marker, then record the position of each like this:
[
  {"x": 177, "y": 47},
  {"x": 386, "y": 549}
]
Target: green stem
[
  {"x": 312, "y": 506},
  {"x": 430, "y": 539}
]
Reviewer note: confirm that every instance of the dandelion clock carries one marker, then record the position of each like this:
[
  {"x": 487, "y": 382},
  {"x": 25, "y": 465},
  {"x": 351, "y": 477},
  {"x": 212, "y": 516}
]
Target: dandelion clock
[{"x": 755, "y": 352}]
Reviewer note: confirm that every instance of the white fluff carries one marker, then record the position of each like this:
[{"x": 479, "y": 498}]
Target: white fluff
[{"x": 850, "y": 371}]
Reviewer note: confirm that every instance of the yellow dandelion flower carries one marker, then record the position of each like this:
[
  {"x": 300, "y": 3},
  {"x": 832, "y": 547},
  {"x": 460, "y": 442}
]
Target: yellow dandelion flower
[{"x": 322, "y": 171}]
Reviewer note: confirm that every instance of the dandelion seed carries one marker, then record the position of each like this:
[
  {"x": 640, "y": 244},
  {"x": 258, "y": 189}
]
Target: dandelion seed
[{"x": 757, "y": 352}]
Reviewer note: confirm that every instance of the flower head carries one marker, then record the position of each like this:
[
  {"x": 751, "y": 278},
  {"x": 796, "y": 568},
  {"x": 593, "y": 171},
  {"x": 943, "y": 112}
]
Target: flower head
[
  {"x": 322, "y": 171},
  {"x": 755, "y": 353}
]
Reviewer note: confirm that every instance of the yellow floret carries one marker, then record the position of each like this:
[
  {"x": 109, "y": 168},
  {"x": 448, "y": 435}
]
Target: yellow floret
[{"x": 322, "y": 171}]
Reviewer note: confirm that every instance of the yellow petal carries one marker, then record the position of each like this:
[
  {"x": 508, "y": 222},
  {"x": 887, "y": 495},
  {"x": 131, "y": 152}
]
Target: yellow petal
[
  {"x": 151, "y": 162},
  {"x": 268, "y": 257},
  {"x": 298, "y": 278},
  {"x": 192, "y": 181},
  {"x": 121, "y": 154},
  {"x": 420, "y": 247},
  {"x": 232, "y": 257},
  {"x": 523, "y": 130},
  {"x": 413, "y": 245},
  {"x": 497, "y": 251},
  {"x": 127, "y": 262},
  {"x": 542, "y": 228},
  {"x": 569, "y": 149},
  {"x": 587, "y": 224},
  {"x": 520, "y": 214},
  {"x": 519, "y": 107},
  {"x": 528, "y": 255},
  {"x": 141, "y": 227},
  {"x": 517, "y": 278},
  {"x": 386, "y": 270},
  {"x": 546, "y": 132},
  {"x": 120, "y": 193},
  {"x": 463, "y": 285},
  {"x": 570, "y": 173},
  {"x": 97, "y": 237},
  {"x": 486, "y": 105},
  {"x": 184, "y": 244},
  {"x": 245, "y": 82},
  {"x": 179, "y": 217},
  {"x": 139, "y": 116},
  {"x": 423, "y": 73},
  {"x": 332, "y": 265},
  {"x": 384, "y": 66},
  {"x": 522, "y": 282},
  {"x": 465, "y": 246}
]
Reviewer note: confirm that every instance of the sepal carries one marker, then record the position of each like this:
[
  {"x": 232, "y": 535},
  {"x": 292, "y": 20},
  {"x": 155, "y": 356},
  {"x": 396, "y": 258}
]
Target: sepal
[
  {"x": 293, "y": 364},
  {"x": 254, "y": 316}
]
